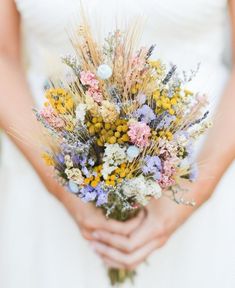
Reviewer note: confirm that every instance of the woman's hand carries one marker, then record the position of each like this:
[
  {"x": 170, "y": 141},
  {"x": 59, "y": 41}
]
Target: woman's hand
[
  {"x": 163, "y": 217},
  {"x": 90, "y": 218}
]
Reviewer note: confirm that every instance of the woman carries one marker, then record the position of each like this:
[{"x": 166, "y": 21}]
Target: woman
[{"x": 40, "y": 243}]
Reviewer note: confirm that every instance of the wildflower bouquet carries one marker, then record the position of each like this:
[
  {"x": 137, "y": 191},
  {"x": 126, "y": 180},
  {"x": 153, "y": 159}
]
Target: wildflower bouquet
[{"x": 122, "y": 128}]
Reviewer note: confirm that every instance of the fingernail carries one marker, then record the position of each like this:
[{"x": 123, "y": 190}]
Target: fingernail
[
  {"x": 93, "y": 246},
  {"x": 95, "y": 235}
]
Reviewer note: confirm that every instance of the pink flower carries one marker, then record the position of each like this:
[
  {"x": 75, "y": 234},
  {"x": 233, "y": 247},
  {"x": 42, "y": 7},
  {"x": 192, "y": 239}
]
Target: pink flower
[
  {"x": 169, "y": 170},
  {"x": 88, "y": 78},
  {"x": 95, "y": 94},
  {"x": 139, "y": 134},
  {"x": 47, "y": 112},
  {"x": 49, "y": 115}
]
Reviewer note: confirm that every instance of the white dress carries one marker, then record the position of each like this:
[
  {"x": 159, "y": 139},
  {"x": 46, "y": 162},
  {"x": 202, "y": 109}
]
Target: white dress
[{"x": 40, "y": 244}]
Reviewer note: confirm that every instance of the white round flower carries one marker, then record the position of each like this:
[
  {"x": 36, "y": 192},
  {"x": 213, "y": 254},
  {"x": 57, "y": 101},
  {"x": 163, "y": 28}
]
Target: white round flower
[
  {"x": 132, "y": 152},
  {"x": 73, "y": 187},
  {"x": 104, "y": 71}
]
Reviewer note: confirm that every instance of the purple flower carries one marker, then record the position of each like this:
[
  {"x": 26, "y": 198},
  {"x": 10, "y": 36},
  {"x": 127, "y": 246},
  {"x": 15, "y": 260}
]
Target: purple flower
[
  {"x": 60, "y": 158},
  {"x": 91, "y": 162},
  {"x": 152, "y": 165},
  {"x": 145, "y": 113},
  {"x": 76, "y": 159},
  {"x": 102, "y": 199},
  {"x": 166, "y": 121},
  {"x": 85, "y": 171},
  {"x": 83, "y": 160},
  {"x": 87, "y": 194}
]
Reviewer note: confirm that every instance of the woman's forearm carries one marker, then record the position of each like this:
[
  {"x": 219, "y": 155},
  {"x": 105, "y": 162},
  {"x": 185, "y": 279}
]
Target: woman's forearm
[
  {"x": 17, "y": 119},
  {"x": 218, "y": 150}
]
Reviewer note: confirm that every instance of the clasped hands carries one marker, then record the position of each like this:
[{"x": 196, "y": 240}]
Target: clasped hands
[{"x": 128, "y": 244}]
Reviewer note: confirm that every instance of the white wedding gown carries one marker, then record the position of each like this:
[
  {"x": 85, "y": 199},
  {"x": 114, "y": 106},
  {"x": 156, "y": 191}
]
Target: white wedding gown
[{"x": 40, "y": 245}]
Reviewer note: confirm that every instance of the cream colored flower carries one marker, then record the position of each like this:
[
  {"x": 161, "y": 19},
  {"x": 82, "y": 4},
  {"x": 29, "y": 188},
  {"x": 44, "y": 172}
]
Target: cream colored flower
[
  {"x": 109, "y": 111},
  {"x": 141, "y": 189},
  {"x": 75, "y": 175},
  {"x": 91, "y": 105},
  {"x": 68, "y": 161},
  {"x": 114, "y": 155},
  {"x": 81, "y": 112}
]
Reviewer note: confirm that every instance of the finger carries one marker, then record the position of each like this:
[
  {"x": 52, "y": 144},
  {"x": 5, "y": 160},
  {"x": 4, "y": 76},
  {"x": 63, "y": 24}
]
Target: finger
[
  {"x": 87, "y": 234},
  {"x": 118, "y": 227},
  {"x": 142, "y": 236},
  {"x": 130, "y": 261},
  {"x": 112, "y": 264}
]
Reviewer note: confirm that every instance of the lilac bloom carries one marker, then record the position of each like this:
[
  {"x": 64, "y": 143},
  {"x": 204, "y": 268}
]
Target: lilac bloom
[
  {"x": 87, "y": 194},
  {"x": 166, "y": 121},
  {"x": 152, "y": 165},
  {"x": 76, "y": 159},
  {"x": 85, "y": 171},
  {"x": 145, "y": 113},
  {"x": 91, "y": 162},
  {"x": 60, "y": 158},
  {"x": 102, "y": 198}
]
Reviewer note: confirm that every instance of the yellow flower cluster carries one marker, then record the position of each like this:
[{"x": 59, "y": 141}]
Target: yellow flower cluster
[
  {"x": 163, "y": 134},
  {"x": 70, "y": 122},
  {"x": 118, "y": 175},
  {"x": 94, "y": 180},
  {"x": 135, "y": 88},
  {"x": 164, "y": 103},
  {"x": 108, "y": 132},
  {"x": 113, "y": 179},
  {"x": 157, "y": 65},
  {"x": 48, "y": 159},
  {"x": 60, "y": 100}
]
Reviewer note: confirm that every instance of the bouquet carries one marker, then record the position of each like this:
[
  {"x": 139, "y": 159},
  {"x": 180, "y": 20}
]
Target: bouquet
[{"x": 121, "y": 126}]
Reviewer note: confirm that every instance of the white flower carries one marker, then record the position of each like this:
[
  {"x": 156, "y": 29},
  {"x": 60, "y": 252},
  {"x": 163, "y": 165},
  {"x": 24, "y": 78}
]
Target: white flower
[
  {"x": 73, "y": 187},
  {"x": 141, "y": 98},
  {"x": 81, "y": 112},
  {"x": 132, "y": 152},
  {"x": 75, "y": 175},
  {"x": 141, "y": 189},
  {"x": 104, "y": 71},
  {"x": 114, "y": 155},
  {"x": 68, "y": 161}
]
